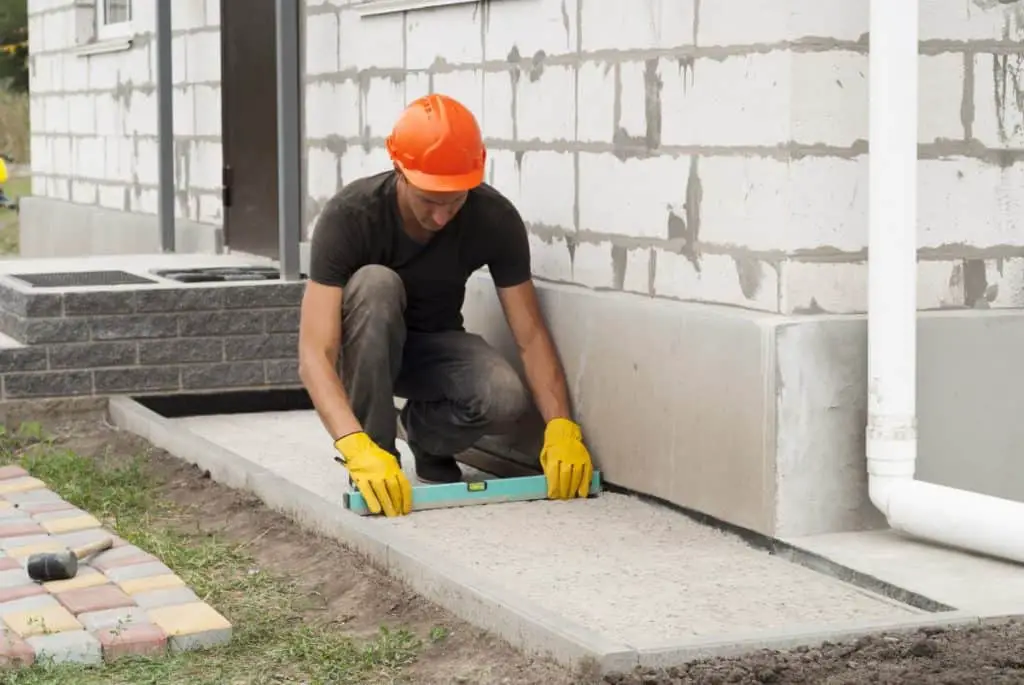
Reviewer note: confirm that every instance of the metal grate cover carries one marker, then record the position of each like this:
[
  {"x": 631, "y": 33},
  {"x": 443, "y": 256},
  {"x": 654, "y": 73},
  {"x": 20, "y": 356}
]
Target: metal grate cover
[{"x": 75, "y": 279}]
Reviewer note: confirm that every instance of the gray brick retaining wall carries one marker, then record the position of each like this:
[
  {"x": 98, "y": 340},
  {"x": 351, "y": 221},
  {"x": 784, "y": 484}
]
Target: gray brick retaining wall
[{"x": 147, "y": 340}]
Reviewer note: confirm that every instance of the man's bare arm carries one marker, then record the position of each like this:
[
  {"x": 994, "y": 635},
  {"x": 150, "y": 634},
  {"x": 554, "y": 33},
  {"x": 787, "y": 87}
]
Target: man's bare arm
[
  {"x": 544, "y": 372},
  {"x": 319, "y": 347}
]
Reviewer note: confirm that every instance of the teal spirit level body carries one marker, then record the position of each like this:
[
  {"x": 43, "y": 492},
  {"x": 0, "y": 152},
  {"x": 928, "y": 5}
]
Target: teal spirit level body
[{"x": 490, "y": 491}]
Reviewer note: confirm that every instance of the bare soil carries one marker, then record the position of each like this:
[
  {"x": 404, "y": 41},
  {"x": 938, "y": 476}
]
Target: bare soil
[{"x": 345, "y": 591}]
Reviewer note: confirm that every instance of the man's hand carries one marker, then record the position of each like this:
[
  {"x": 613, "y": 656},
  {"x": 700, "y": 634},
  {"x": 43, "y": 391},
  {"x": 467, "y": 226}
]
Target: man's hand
[
  {"x": 376, "y": 474},
  {"x": 565, "y": 460}
]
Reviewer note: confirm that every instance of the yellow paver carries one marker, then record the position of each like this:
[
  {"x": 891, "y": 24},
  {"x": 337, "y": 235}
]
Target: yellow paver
[
  {"x": 70, "y": 524},
  {"x": 188, "y": 619},
  {"x": 161, "y": 582},
  {"x": 82, "y": 580},
  {"x": 39, "y": 547},
  {"x": 23, "y": 484},
  {"x": 55, "y": 619}
]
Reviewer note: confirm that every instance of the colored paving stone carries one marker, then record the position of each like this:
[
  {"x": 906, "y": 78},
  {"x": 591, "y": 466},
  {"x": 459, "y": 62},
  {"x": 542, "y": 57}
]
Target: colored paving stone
[
  {"x": 17, "y": 528},
  {"x": 32, "y": 496},
  {"x": 98, "y": 598},
  {"x": 8, "y": 472},
  {"x": 192, "y": 626},
  {"x": 128, "y": 555},
  {"x": 42, "y": 621},
  {"x": 122, "y": 602},
  {"x": 153, "y": 599},
  {"x": 71, "y": 523},
  {"x": 142, "y": 639},
  {"x": 43, "y": 507},
  {"x": 14, "y": 651},
  {"x": 161, "y": 582},
  {"x": 74, "y": 646},
  {"x": 18, "y": 485},
  {"x": 114, "y": 618},
  {"x": 85, "y": 578},
  {"x": 9, "y": 594}
]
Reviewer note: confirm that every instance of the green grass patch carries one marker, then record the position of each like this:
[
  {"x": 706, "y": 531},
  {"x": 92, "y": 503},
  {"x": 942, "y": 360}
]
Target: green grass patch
[
  {"x": 16, "y": 187},
  {"x": 271, "y": 642}
]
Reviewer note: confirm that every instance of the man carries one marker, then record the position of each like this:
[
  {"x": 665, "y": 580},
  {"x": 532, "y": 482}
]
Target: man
[{"x": 390, "y": 257}]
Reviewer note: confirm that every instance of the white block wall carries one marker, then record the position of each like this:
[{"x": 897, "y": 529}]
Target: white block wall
[
  {"x": 94, "y": 116},
  {"x": 706, "y": 150},
  {"x": 697, "y": 150}
]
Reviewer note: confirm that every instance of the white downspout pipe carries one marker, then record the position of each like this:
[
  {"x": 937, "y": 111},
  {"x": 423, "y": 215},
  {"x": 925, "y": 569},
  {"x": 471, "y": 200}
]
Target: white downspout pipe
[{"x": 948, "y": 516}]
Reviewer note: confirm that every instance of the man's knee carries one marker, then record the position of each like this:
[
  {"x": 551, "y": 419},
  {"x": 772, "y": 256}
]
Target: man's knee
[
  {"x": 503, "y": 397},
  {"x": 374, "y": 299}
]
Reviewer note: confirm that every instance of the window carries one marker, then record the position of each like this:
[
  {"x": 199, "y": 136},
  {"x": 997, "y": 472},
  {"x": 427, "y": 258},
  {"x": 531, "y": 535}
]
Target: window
[{"x": 113, "y": 18}]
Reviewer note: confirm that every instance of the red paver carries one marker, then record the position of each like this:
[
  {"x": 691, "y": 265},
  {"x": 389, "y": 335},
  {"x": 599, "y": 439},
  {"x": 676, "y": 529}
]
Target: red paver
[
  {"x": 17, "y": 529},
  {"x": 9, "y": 564},
  {"x": 9, "y": 594},
  {"x": 14, "y": 651},
  {"x": 95, "y": 598},
  {"x": 34, "y": 508},
  {"x": 144, "y": 639},
  {"x": 12, "y": 472}
]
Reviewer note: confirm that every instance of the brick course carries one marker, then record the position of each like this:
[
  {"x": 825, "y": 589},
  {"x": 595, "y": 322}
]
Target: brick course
[{"x": 145, "y": 340}]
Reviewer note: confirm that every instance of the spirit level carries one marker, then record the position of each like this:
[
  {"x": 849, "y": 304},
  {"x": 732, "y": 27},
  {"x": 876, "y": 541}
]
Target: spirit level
[{"x": 490, "y": 491}]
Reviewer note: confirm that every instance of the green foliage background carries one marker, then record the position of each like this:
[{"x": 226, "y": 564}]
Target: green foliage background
[{"x": 14, "y": 31}]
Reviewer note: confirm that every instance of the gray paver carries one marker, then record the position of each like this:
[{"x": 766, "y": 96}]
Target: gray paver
[
  {"x": 127, "y": 555},
  {"x": 33, "y": 603},
  {"x": 33, "y": 496},
  {"x": 123, "y": 573},
  {"x": 113, "y": 618},
  {"x": 154, "y": 599},
  {"x": 73, "y": 646},
  {"x": 82, "y": 537},
  {"x": 14, "y": 578},
  {"x": 195, "y": 641},
  {"x": 11, "y": 543}
]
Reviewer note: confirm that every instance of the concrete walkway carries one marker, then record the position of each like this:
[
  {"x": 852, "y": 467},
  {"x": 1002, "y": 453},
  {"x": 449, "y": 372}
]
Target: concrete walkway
[{"x": 613, "y": 578}]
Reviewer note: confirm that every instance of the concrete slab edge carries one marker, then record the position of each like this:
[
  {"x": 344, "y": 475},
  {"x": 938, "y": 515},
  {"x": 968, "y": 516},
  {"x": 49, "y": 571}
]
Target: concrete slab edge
[
  {"x": 523, "y": 623},
  {"x": 810, "y": 635}
]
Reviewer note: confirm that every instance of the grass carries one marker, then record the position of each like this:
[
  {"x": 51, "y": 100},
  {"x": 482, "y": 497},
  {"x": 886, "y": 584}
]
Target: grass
[
  {"x": 9, "y": 238},
  {"x": 15, "y": 142},
  {"x": 14, "y": 125},
  {"x": 271, "y": 642}
]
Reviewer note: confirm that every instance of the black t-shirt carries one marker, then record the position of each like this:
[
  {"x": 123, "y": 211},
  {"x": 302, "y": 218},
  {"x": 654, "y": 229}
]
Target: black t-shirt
[{"x": 361, "y": 225}]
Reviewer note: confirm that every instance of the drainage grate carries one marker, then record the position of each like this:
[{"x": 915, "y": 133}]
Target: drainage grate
[
  {"x": 220, "y": 274},
  {"x": 75, "y": 279}
]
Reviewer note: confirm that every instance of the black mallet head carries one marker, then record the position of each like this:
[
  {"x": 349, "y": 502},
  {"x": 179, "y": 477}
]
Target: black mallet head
[{"x": 49, "y": 566}]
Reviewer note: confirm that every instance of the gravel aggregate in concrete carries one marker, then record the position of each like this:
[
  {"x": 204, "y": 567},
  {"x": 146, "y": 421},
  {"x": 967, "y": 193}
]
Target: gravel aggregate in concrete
[{"x": 632, "y": 571}]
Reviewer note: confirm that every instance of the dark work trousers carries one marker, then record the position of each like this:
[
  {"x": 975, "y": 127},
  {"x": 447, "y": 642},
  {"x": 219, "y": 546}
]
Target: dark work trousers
[{"x": 458, "y": 388}]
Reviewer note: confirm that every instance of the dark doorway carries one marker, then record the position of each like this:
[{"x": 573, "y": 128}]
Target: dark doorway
[{"x": 249, "y": 111}]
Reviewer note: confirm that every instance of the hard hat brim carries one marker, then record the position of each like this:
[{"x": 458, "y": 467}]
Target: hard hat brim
[{"x": 443, "y": 184}]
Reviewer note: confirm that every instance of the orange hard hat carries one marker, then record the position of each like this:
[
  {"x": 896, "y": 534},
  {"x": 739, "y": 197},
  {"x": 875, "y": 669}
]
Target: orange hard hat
[{"x": 437, "y": 144}]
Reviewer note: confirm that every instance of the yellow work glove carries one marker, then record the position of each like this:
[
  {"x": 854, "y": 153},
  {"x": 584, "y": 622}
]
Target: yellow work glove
[
  {"x": 565, "y": 460},
  {"x": 376, "y": 474}
]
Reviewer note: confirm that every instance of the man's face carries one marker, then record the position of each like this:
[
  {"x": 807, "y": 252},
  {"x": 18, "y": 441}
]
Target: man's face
[{"x": 434, "y": 210}]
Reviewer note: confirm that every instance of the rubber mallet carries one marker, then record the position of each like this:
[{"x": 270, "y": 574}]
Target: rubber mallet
[{"x": 49, "y": 566}]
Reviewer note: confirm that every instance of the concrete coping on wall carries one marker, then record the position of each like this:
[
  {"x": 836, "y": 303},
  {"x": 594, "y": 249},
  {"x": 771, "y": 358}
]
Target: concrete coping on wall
[{"x": 469, "y": 595}]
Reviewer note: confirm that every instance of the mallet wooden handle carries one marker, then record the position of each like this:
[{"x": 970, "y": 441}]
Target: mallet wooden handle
[{"x": 92, "y": 548}]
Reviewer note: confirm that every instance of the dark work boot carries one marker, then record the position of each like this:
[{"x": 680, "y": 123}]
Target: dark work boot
[{"x": 430, "y": 468}]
